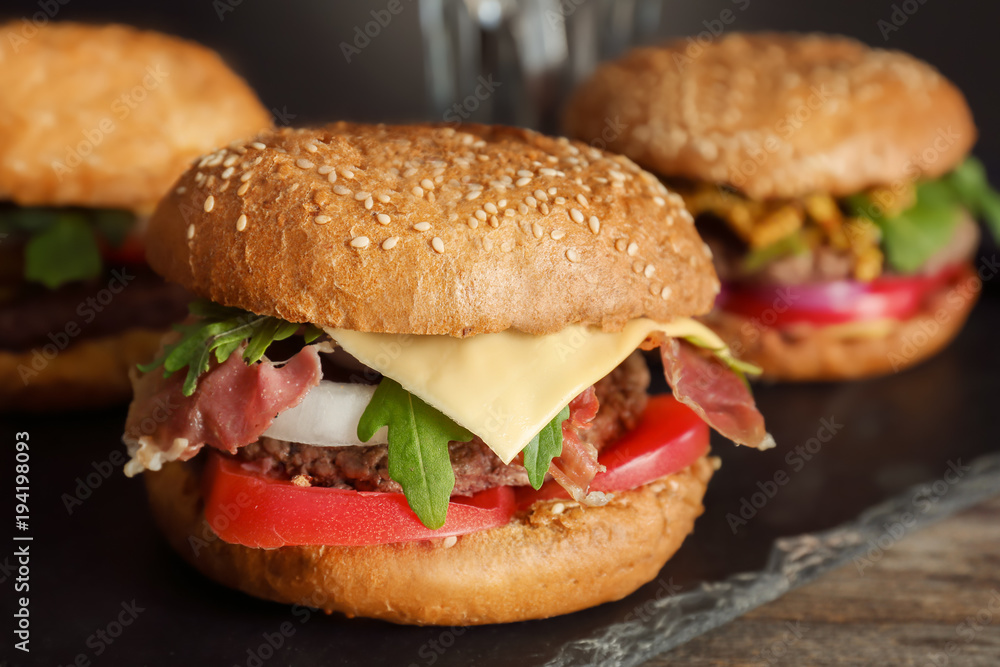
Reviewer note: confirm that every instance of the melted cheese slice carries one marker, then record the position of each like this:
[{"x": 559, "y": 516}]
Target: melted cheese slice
[{"x": 505, "y": 387}]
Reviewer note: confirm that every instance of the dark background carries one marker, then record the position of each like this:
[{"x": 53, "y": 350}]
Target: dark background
[{"x": 290, "y": 50}]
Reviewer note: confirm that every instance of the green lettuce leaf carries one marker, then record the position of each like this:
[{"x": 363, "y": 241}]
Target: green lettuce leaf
[
  {"x": 911, "y": 237},
  {"x": 65, "y": 251},
  {"x": 544, "y": 447},
  {"x": 758, "y": 258},
  {"x": 418, "y": 448},
  {"x": 219, "y": 331}
]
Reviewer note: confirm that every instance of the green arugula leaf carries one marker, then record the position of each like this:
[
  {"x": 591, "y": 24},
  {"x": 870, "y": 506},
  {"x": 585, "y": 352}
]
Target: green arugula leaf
[
  {"x": 219, "y": 331},
  {"x": 64, "y": 252},
  {"x": 544, "y": 447},
  {"x": 757, "y": 259},
  {"x": 973, "y": 191},
  {"x": 418, "y": 448}
]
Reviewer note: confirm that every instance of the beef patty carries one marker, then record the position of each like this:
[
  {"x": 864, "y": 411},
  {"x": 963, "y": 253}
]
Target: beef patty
[{"x": 621, "y": 395}]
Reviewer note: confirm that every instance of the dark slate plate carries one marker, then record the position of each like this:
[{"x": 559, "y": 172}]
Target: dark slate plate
[{"x": 847, "y": 495}]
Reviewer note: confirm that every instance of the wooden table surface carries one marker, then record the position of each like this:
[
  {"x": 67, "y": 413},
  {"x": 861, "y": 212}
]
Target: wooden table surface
[{"x": 932, "y": 600}]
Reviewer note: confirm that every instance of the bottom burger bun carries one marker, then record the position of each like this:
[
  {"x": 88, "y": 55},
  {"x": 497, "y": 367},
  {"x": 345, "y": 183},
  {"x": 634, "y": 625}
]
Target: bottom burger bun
[
  {"x": 90, "y": 373},
  {"x": 555, "y": 558},
  {"x": 811, "y": 353}
]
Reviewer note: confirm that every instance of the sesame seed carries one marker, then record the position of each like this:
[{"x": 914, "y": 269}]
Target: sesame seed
[
  {"x": 557, "y": 234},
  {"x": 540, "y": 195},
  {"x": 325, "y": 169},
  {"x": 632, "y": 249},
  {"x": 494, "y": 222},
  {"x": 490, "y": 208},
  {"x": 576, "y": 215},
  {"x": 473, "y": 223},
  {"x": 362, "y": 195},
  {"x": 417, "y": 191},
  {"x": 531, "y": 201},
  {"x": 360, "y": 242},
  {"x": 228, "y": 172},
  {"x": 582, "y": 200},
  {"x": 348, "y": 174},
  {"x": 311, "y": 148},
  {"x": 547, "y": 171},
  {"x": 410, "y": 172},
  {"x": 304, "y": 164},
  {"x": 190, "y": 232},
  {"x": 322, "y": 219},
  {"x": 241, "y": 223},
  {"x": 422, "y": 226},
  {"x": 502, "y": 203},
  {"x": 332, "y": 178},
  {"x": 488, "y": 244},
  {"x": 383, "y": 219},
  {"x": 620, "y": 245},
  {"x": 243, "y": 189},
  {"x": 246, "y": 176},
  {"x": 665, "y": 292},
  {"x": 390, "y": 243},
  {"x": 510, "y": 213},
  {"x": 521, "y": 182},
  {"x": 427, "y": 184},
  {"x": 544, "y": 208},
  {"x": 473, "y": 195},
  {"x": 572, "y": 255},
  {"x": 522, "y": 209},
  {"x": 230, "y": 161},
  {"x": 181, "y": 190},
  {"x": 524, "y": 173},
  {"x": 430, "y": 197},
  {"x": 209, "y": 203},
  {"x": 481, "y": 214},
  {"x": 558, "y": 508},
  {"x": 649, "y": 271},
  {"x": 437, "y": 244},
  {"x": 259, "y": 146},
  {"x": 638, "y": 267},
  {"x": 369, "y": 203},
  {"x": 341, "y": 190},
  {"x": 384, "y": 198},
  {"x": 660, "y": 200},
  {"x": 536, "y": 230},
  {"x": 595, "y": 224}
]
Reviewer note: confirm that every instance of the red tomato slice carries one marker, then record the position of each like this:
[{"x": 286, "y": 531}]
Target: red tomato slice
[
  {"x": 668, "y": 438},
  {"x": 838, "y": 301},
  {"x": 131, "y": 251},
  {"x": 244, "y": 507}
]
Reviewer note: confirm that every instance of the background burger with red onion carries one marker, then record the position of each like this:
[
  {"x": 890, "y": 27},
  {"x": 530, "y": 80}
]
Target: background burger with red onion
[
  {"x": 410, "y": 387},
  {"x": 831, "y": 180}
]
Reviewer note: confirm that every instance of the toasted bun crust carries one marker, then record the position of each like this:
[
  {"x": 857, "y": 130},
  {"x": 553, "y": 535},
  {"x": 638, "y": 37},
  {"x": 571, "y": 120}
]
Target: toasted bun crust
[
  {"x": 429, "y": 230},
  {"x": 109, "y": 116},
  {"x": 541, "y": 564},
  {"x": 88, "y": 374},
  {"x": 809, "y": 353},
  {"x": 777, "y": 115}
]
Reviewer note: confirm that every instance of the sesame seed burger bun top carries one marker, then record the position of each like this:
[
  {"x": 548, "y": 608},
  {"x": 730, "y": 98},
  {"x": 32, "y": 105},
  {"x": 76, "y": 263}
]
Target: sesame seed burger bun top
[
  {"x": 431, "y": 230},
  {"x": 777, "y": 115},
  {"x": 109, "y": 116}
]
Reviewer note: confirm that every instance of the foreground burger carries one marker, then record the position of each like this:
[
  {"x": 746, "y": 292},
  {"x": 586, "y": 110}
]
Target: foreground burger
[
  {"x": 831, "y": 181},
  {"x": 411, "y": 390},
  {"x": 96, "y": 123}
]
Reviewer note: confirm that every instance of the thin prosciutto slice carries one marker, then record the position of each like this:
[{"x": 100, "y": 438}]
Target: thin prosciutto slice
[
  {"x": 576, "y": 467},
  {"x": 232, "y": 406},
  {"x": 715, "y": 392}
]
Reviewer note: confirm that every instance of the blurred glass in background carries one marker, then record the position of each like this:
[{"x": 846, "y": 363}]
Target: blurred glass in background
[{"x": 514, "y": 61}]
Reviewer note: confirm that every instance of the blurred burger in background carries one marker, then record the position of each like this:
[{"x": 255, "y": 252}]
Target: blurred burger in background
[
  {"x": 831, "y": 180},
  {"x": 96, "y": 122}
]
